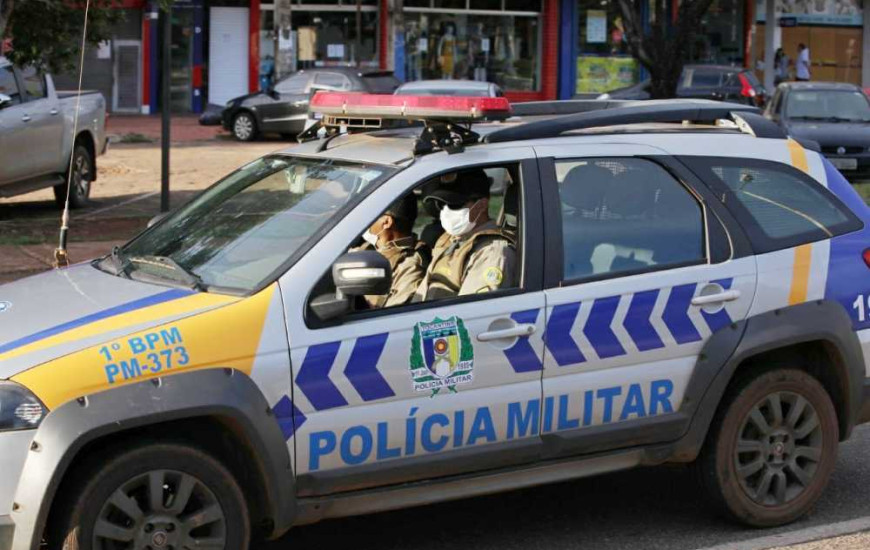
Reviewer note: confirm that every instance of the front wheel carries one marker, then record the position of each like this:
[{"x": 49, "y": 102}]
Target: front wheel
[
  {"x": 771, "y": 448},
  {"x": 244, "y": 126},
  {"x": 158, "y": 497},
  {"x": 79, "y": 178}
]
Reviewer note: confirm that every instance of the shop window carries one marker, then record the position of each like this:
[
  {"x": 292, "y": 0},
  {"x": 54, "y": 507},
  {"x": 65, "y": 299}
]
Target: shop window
[
  {"x": 493, "y": 5},
  {"x": 523, "y": 5},
  {"x": 604, "y": 62},
  {"x": 503, "y": 49}
]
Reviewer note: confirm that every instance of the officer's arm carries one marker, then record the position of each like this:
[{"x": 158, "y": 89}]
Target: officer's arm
[
  {"x": 406, "y": 279},
  {"x": 490, "y": 268}
]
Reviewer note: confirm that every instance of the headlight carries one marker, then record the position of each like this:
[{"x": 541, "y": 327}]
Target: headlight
[{"x": 19, "y": 408}]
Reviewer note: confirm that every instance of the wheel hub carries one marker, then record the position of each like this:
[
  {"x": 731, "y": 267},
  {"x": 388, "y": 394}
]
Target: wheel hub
[{"x": 160, "y": 532}]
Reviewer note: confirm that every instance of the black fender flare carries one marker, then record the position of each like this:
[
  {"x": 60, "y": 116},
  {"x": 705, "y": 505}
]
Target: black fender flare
[
  {"x": 727, "y": 349},
  {"x": 220, "y": 393}
]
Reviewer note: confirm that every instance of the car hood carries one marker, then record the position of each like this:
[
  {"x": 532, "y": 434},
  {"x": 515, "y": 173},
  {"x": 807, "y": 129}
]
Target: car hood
[
  {"x": 63, "y": 311},
  {"x": 832, "y": 133}
]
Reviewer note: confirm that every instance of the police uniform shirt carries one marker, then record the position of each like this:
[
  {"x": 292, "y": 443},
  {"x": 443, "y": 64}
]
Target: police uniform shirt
[
  {"x": 408, "y": 267},
  {"x": 490, "y": 262}
]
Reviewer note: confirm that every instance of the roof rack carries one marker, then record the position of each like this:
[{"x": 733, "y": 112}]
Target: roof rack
[{"x": 747, "y": 118}]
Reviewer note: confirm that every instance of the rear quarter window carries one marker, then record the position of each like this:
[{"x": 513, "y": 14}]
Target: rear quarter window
[
  {"x": 381, "y": 83},
  {"x": 778, "y": 205}
]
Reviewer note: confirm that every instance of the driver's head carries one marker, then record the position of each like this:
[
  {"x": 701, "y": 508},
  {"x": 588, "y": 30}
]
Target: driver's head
[
  {"x": 461, "y": 199},
  {"x": 395, "y": 223}
]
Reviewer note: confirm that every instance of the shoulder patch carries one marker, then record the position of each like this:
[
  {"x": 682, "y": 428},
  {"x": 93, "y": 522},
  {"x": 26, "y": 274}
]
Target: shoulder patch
[{"x": 493, "y": 276}]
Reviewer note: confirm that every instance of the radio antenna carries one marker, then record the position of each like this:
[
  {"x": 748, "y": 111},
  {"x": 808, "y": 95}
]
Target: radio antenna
[{"x": 61, "y": 256}]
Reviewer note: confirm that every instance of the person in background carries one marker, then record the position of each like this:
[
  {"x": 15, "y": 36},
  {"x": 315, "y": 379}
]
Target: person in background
[
  {"x": 780, "y": 65},
  {"x": 802, "y": 70}
]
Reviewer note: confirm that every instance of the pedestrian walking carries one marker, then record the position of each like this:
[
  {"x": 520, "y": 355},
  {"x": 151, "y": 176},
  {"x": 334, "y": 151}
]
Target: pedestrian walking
[
  {"x": 780, "y": 66},
  {"x": 802, "y": 71}
]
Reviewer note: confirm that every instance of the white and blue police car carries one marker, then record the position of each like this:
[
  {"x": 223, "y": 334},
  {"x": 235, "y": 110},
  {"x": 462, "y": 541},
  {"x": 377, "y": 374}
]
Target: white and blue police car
[{"x": 691, "y": 286}]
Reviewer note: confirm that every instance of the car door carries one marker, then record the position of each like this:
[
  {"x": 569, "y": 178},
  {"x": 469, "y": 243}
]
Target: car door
[
  {"x": 14, "y": 148},
  {"x": 46, "y": 122},
  {"x": 287, "y": 110},
  {"x": 369, "y": 409},
  {"x": 647, "y": 275}
]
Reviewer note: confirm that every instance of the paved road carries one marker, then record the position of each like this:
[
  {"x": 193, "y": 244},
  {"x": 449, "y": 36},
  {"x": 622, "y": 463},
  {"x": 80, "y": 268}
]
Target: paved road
[{"x": 649, "y": 509}]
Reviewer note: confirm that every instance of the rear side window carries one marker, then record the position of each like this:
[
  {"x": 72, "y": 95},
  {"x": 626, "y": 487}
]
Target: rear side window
[
  {"x": 295, "y": 84},
  {"x": 332, "y": 80},
  {"x": 381, "y": 83},
  {"x": 778, "y": 205},
  {"x": 34, "y": 83},
  {"x": 625, "y": 215},
  {"x": 694, "y": 78}
]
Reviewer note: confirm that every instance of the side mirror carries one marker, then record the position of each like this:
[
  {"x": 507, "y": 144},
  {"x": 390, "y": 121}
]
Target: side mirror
[
  {"x": 5, "y": 100},
  {"x": 358, "y": 273},
  {"x": 157, "y": 218}
]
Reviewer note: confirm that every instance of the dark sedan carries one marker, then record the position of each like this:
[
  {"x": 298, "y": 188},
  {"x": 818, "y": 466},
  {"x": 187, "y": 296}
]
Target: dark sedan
[
  {"x": 283, "y": 109},
  {"x": 835, "y": 115},
  {"x": 718, "y": 82}
]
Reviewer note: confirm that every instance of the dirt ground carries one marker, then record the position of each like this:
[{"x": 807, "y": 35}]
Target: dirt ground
[{"x": 124, "y": 197}]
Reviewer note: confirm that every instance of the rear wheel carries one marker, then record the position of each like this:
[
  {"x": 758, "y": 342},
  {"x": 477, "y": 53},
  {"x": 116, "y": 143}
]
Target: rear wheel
[
  {"x": 79, "y": 179},
  {"x": 771, "y": 448},
  {"x": 244, "y": 126},
  {"x": 157, "y": 497}
]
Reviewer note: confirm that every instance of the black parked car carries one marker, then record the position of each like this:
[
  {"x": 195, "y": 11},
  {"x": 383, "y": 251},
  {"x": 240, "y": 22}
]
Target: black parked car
[
  {"x": 283, "y": 109},
  {"x": 718, "y": 82},
  {"x": 835, "y": 115}
]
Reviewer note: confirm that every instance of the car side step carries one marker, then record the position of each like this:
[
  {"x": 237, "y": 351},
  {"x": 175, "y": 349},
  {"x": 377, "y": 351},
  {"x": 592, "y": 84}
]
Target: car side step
[{"x": 370, "y": 501}]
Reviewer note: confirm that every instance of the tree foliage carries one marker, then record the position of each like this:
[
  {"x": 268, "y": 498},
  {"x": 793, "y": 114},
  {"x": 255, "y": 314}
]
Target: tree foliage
[
  {"x": 48, "y": 33},
  {"x": 663, "y": 46}
]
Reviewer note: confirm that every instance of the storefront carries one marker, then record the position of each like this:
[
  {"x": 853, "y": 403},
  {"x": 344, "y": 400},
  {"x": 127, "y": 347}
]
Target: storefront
[
  {"x": 603, "y": 60},
  {"x": 831, "y": 29}
]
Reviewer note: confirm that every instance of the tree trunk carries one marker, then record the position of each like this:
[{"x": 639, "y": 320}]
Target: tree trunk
[{"x": 5, "y": 12}]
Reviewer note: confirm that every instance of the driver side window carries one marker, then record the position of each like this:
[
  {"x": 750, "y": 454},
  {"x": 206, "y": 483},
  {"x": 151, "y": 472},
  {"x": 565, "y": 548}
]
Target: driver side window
[
  {"x": 8, "y": 85},
  {"x": 434, "y": 256}
]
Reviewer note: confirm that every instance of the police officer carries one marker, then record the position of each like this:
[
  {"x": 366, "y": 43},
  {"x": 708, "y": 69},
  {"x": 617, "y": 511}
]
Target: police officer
[
  {"x": 473, "y": 255},
  {"x": 391, "y": 235}
]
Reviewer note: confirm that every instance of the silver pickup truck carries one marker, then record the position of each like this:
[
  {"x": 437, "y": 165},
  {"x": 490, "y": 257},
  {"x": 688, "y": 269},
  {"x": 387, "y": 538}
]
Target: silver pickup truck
[{"x": 36, "y": 136}]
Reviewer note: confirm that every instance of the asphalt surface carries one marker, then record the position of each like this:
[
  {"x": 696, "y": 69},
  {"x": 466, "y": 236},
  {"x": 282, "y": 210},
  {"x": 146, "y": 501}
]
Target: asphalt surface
[{"x": 650, "y": 508}]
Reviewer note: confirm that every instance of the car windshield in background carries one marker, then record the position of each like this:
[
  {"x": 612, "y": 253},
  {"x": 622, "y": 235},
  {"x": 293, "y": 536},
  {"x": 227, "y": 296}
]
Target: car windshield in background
[
  {"x": 828, "y": 105},
  {"x": 241, "y": 230},
  {"x": 381, "y": 83},
  {"x": 454, "y": 92}
]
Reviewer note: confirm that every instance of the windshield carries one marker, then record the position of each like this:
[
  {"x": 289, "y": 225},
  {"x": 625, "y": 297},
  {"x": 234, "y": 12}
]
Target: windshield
[
  {"x": 830, "y": 105},
  {"x": 241, "y": 230}
]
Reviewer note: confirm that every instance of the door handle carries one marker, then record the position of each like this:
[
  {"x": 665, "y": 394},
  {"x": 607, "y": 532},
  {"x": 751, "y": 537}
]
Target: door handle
[
  {"x": 521, "y": 329},
  {"x": 718, "y": 298},
  {"x": 25, "y": 118},
  {"x": 53, "y": 111}
]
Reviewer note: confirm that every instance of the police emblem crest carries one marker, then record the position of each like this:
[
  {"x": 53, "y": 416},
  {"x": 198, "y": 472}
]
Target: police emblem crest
[{"x": 441, "y": 355}]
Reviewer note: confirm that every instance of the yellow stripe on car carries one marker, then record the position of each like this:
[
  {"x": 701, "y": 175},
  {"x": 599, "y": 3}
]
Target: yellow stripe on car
[{"x": 226, "y": 337}]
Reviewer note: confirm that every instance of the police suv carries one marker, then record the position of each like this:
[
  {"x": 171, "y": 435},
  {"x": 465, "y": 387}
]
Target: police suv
[{"x": 690, "y": 286}]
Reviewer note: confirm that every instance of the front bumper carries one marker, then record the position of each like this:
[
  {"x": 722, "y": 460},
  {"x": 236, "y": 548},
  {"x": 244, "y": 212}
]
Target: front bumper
[{"x": 14, "y": 447}]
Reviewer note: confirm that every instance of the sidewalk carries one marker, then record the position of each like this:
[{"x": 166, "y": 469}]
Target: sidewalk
[{"x": 184, "y": 128}]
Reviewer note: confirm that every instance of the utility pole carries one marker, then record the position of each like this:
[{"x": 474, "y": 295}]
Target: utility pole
[{"x": 166, "y": 106}]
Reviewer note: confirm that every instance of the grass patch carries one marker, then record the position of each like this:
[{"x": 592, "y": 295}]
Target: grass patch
[{"x": 14, "y": 239}]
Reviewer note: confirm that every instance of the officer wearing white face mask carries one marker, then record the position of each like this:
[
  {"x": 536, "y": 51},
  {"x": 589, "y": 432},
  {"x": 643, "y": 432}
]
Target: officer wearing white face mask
[
  {"x": 391, "y": 235},
  {"x": 473, "y": 255}
]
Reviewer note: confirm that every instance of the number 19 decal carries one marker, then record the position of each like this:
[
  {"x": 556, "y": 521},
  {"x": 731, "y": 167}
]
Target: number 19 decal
[{"x": 862, "y": 306}]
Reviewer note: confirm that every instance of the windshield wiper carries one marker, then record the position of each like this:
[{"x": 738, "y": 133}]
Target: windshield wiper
[{"x": 172, "y": 269}]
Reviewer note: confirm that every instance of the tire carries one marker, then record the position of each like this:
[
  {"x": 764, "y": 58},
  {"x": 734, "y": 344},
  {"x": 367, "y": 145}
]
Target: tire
[
  {"x": 110, "y": 507},
  {"x": 82, "y": 168},
  {"x": 244, "y": 126},
  {"x": 784, "y": 460}
]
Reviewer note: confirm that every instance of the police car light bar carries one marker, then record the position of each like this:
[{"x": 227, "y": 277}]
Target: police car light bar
[{"x": 410, "y": 107}]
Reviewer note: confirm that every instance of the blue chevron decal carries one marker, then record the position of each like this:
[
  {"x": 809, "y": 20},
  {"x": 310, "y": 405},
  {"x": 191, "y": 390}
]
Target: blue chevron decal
[
  {"x": 521, "y": 355},
  {"x": 676, "y": 314},
  {"x": 720, "y": 319},
  {"x": 288, "y": 416},
  {"x": 637, "y": 321},
  {"x": 362, "y": 368},
  {"x": 313, "y": 378},
  {"x": 597, "y": 328},
  {"x": 558, "y": 336}
]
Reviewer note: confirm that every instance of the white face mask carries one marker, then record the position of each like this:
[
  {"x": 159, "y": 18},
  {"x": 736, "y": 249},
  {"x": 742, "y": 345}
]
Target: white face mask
[
  {"x": 456, "y": 222},
  {"x": 372, "y": 238}
]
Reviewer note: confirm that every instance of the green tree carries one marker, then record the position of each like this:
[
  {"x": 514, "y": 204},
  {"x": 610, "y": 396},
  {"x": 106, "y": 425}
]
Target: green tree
[
  {"x": 662, "y": 46},
  {"x": 48, "y": 33}
]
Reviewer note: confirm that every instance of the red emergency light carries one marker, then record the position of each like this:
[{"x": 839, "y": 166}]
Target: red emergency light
[{"x": 410, "y": 107}]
